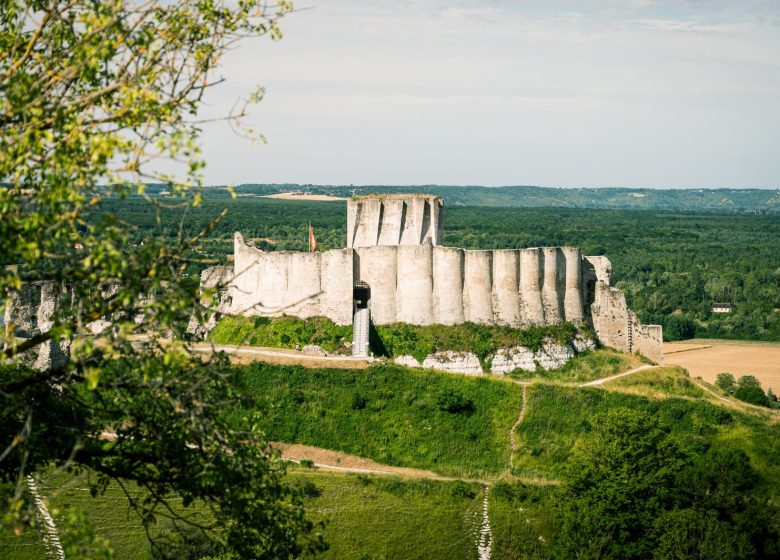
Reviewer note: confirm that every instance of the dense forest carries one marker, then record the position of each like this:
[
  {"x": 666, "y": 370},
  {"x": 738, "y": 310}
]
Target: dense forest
[{"x": 672, "y": 265}]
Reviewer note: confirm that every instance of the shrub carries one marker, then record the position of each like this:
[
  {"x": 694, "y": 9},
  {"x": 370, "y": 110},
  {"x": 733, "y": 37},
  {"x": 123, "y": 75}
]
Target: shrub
[
  {"x": 359, "y": 402},
  {"x": 752, "y": 394},
  {"x": 460, "y": 489},
  {"x": 399, "y": 339},
  {"x": 725, "y": 381},
  {"x": 282, "y": 332},
  {"x": 510, "y": 492},
  {"x": 450, "y": 400},
  {"x": 306, "y": 488}
]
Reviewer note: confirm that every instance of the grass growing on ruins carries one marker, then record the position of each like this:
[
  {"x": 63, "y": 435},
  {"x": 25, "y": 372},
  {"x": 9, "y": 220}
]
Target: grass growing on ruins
[
  {"x": 373, "y": 518},
  {"x": 558, "y": 417},
  {"x": 386, "y": 340},
  {"x": 398, "y": 339},
  {"x": 522, "y": 520},
  {"x": 282, "y": 332},
  {"x": 451, "y": 424},
  {"x": 586, "y": 366}
]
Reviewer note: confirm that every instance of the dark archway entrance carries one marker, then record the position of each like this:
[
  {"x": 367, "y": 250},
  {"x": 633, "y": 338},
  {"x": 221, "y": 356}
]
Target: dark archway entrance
[{"x": 361, "y": 294}]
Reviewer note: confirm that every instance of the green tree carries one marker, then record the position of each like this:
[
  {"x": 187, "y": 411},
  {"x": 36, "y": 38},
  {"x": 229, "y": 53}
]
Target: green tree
[
  {"x": 748, "y": 381},
  {"x": 689, "y": 534},
  {"x": 631, "y": 492},
  {"x": 92, "y": 95},
  {"x": 749, "y": 390},
  {"x": 725, "y": 381},
  {"x": 616, "y": 487},
  {"x": 753, "y": 395}
]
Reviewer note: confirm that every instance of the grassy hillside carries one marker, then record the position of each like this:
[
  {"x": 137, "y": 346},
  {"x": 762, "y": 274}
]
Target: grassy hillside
[
  {"x": 378, "y": 518},
  {"x": 558, "y": 417},
  {"x": 282, "y": 332},
  {"x": 454, "y": 425},
  {"x": 362, "y": 517},
  {"x": 522, "y": 519},
  {"x": 586, "y": 366},
  {"x": 392, "y": 340}
]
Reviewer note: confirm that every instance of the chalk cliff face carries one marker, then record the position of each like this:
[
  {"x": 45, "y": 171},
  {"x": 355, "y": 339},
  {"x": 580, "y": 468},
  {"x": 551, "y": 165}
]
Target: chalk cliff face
[
  {"x": 393, "y": 248},
  {"x": 551, "y": 355}
]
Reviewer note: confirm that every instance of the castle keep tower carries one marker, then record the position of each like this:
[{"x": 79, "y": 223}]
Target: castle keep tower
[{"x": 394, "y": 220}]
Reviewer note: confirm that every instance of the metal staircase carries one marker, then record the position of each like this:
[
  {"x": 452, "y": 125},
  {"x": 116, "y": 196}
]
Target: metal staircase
[{"x": 360, "y": 323}]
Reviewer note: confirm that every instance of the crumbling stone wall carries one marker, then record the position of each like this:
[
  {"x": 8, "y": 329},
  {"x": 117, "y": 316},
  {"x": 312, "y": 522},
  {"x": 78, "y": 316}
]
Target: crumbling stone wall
[
  {"x": 613, "y": 322},
  {"x": 28, "y": 313}
]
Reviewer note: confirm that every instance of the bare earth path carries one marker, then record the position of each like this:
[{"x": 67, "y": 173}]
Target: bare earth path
[
  {"x": 512, "y": 437},
  {"x": 248, "y": 354},
  {"x": 774, "y": 414},
  {"x": 611, "y": 377},
  {"x": 328, "y": 459}
]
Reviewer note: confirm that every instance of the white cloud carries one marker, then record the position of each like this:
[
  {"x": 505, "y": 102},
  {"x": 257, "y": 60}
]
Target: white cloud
[{"x": 643, "y": 93}]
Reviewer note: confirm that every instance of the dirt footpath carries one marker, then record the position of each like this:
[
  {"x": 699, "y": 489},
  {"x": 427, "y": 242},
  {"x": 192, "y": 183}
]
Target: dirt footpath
[
  {"x": 249, "y": 354},
  {"x": 709, "y": 358},
  {"x": 336, "y": 460}
]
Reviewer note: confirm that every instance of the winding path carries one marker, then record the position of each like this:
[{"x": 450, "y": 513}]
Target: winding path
[
  {"x": 603, "y": 380},
  {"x": 512, "y": 437}
]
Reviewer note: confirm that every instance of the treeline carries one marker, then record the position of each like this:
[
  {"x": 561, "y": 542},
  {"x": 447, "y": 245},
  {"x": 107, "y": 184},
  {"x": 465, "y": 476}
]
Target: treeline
[
  {"x": 730, "y": 200},
  {"x": 672, "y": 265}
]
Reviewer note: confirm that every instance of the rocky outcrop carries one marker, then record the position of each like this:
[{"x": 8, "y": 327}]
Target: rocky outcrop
[
  {"x": 551, "y": 355},
  {"x": 466, "y": 363},
  {"x": 314, "y": 350},
  {"x": 407, "y": 360}
]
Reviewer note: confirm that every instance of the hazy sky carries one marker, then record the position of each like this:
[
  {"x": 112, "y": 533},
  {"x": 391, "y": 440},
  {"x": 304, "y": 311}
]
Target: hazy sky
[{"x": 546, "y": 92}]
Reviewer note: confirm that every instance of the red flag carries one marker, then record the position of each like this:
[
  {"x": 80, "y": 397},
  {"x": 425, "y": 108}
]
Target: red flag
[{"x": 312, "y": 240}]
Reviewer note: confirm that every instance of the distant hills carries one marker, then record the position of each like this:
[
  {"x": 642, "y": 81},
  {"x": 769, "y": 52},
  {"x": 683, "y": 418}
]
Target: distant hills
[{"x": 764, "y": 201}]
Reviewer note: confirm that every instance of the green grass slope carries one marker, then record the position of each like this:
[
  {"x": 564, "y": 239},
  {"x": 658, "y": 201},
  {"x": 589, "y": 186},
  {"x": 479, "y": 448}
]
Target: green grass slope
[
  {"x": 382, "y": 518},
  {"x": 362, "y": 517},
  {"x": 452, "y": 424},
  {"x": 558, "y": 417}
]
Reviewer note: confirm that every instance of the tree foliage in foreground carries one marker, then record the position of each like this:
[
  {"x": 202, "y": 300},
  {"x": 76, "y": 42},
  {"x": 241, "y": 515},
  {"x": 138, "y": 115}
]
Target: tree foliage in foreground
[
  {"x": 632, "y": 492},
  {"x": 92, "y": 95}
]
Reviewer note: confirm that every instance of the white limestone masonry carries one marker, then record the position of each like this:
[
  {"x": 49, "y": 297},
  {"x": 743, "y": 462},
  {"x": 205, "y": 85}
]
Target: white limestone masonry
[{"x": 393, "y": 247}]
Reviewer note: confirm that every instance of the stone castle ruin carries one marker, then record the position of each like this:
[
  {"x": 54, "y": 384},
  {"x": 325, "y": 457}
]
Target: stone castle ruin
[{"x": 394, "y": 269}]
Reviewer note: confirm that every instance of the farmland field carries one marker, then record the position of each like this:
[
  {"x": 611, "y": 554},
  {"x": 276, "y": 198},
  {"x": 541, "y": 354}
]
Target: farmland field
[{"x": 706, "y": 359}]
